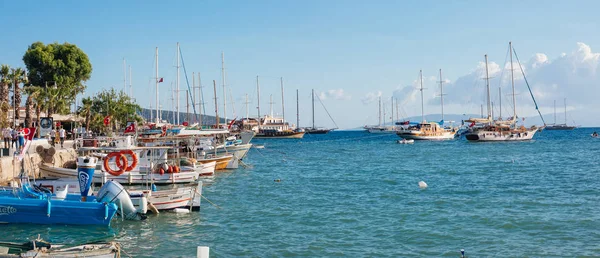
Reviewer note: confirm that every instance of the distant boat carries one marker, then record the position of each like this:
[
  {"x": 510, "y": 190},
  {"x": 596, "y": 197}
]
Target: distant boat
[
  {"x": 427, "y": 130},
  {"x": 313, "y": 129},
  {"x": 556, "y": 126},
  {"x": 382, "y": 128},
  {"x": 41, "y": 248},
  {"x": 270, "y": 126},
  {"x": 488, "y": 129}
]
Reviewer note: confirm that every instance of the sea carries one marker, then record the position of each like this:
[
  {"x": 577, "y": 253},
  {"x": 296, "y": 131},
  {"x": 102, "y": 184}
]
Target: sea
[{"x": 355, "y": 194}]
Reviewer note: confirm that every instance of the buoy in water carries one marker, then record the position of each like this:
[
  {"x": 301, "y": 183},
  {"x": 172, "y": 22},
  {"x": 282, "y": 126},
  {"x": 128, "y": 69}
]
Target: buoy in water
[
  {"x": 180, "y": 210},
  {"x": 277, "y": 180},
  {"x": 422, "y": 185}
]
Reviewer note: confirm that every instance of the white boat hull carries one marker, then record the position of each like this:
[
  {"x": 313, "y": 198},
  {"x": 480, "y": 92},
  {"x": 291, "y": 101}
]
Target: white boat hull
[
  {"x": 494, "y": 136},
  {"x": 381, "y": 131},
  {"x": 127, "y": 178},
  {"x": 418, "y": 135}
]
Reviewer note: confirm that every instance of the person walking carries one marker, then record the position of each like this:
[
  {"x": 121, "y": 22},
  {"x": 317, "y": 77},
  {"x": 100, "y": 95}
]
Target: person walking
[
  {"x": 21, "y": 139},
  {"x": 62, "y": 134},
  {"x": 53, "y": 137}
]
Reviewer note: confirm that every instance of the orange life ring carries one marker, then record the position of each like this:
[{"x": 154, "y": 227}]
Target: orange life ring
[
  {"x": 134, "y": 157},
  {"x": 121, "y": 161}
]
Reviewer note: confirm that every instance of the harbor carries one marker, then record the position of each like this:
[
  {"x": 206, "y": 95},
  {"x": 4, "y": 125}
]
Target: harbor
[{"x": 299, "y": 129}]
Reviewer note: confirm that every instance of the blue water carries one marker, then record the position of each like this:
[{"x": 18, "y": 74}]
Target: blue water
[{"x": 355, "y": 194}]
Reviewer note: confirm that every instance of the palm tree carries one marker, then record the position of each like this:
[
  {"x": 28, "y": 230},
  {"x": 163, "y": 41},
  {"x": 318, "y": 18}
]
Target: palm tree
[
  {"x": 4, "y": 83},
  {"x": 86, "y": 111},
  {"x": 18, "y": 76}
]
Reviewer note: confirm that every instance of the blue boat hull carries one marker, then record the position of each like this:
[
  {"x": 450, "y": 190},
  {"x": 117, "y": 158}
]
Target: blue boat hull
[{"x": 43, "y": 211}]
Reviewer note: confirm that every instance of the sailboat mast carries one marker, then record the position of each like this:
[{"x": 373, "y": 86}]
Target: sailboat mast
[
  {"x": 442, "y": 94},
  {"x": 258, "y": 97},
  {"x": 313, "y": 108},
  {"x": 512, "y": 80},
  {"x": 271, "y": 105},
  {"x": 500, "y": 102},
  {"x": 297, "y": 110},
  {"x": 282, "y": 105},
  {"x": 422, "y": 105},
  {"x": 555, "y": 112},
  {"x": 193, "y": 89},
  {"x": 216, "y": 105},
  {"x": 565, "y": 111},
  {"x": 130, "y": 87},
  {"x": 201, "y": 97},
  {"x": 177, "y": 86},
  {"x": 124, "y": 76},
  {"x": 397, "y": 113},
  {"x": 392, "y": 117},
  {"x": 247, "y": 107},
  {"x": 379, "y": 111},
  {"x": 157, "y": 79},
  {"x": 487, "y": 82},
  {"x": 224, "y": 91}
]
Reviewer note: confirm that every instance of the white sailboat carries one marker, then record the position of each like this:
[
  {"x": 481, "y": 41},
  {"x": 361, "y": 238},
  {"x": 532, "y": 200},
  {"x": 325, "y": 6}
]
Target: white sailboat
[
  {"x": 564, "y": 126},
  {"x": 427, "y": 130},
  {"x": 383, "y": 129},
  {"x": 499, "y": 130}
]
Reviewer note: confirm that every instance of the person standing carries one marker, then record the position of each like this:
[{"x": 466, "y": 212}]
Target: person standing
[
  {"x": 62, "y": 134},
  {"x": 13, "y": 136},
  {"x": 6, "y": 137},
  {"x": 21, "y": 139}
]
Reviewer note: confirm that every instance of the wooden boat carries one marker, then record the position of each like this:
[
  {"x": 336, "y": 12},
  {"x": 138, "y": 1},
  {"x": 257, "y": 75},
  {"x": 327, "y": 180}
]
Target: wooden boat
[
  {"x": 40, "y": 248},
  {"x": 181, "y": 197},
  {"x": 134, "y": 177},
  {"x": 222, "y": 160}
]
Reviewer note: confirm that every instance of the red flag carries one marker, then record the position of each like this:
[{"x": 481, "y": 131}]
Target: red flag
[
  {"x": 185, "y": 123},
  {"x": 472, "y": 124},
  {"x": 160, "y": 80},
  {"x": 231, "y": 123},
  {"x": 130, "y": 128},
  {"x": 106, "y": 120},
  {"x": 28, "y": 133}
]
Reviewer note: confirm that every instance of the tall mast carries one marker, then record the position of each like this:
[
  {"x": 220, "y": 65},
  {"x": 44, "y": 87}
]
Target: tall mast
[
  {"x": 500, "y": 100},
  {"x": 193, "y": 89},
  {"x": 224, "y": 91},
  {"x": 313, "y": 108},
  {"x": 156, "y": 61},
  {"x": 442, "y": 93},
  {"x": 384, "y": 115},
  {"x": 555, "y": 112},
  {"x": 187, "y": 106},
  {"x": 201, "y": 97},
  {"x": 258, "y": 97},
  {"x": 487, "y": 82},
  {"x": 397, "y": 113},
  {"x": 177, "y": 86},
  {"x": 247, "y": 107},
  {"x": 216, "y": 105},
  {"x": 130, "y": 87},
  {"x": 282, "y": 106},
  {"x": 297, "y": 111},
  {"x": 392, "y": 111},
  {"x": 124, "y": 76},
  {"x": 379, "y": 123},
  {"x": 512, "y": 80},
  {"x": 422, "y": 105},
  {"x": 565, "y": 111},
  {"x": 271, "y": 104}
]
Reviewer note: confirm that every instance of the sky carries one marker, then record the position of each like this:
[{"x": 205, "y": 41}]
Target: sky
[{"x": 349, "y": 52}]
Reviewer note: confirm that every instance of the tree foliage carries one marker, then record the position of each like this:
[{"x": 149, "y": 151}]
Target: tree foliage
[
  {"x": 63, "y": 65},
  {"x": 115, "y": 104}
]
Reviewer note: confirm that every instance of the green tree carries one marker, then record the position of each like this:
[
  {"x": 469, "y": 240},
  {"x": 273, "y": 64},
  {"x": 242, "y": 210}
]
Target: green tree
[
  {"x": 86, "y": 111},
  {"x": 4, "y": 83},
  {"x": 17, "y": 77},
  {"x": 63, "y": 65},
  {"x": 115, "y": 104}
]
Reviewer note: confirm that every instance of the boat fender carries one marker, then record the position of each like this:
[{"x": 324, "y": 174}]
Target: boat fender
[
  {"x": 177, "y": 169},
  {"x": 161, "y": 171},
  {"x": 170, "y": 169}
]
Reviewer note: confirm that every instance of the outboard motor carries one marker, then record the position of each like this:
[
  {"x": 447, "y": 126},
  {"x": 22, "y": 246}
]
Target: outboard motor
[{"x": 113, "y": 192}]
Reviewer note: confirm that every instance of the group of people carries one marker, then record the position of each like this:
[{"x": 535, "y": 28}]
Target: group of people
[
  {"x": 59, "y": 135},
  {"x": 13, "y": 137}
]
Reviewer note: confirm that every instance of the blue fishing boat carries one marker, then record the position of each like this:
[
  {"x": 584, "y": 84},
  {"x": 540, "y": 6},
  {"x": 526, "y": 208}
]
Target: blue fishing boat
[{"x": 33, "y": 204}]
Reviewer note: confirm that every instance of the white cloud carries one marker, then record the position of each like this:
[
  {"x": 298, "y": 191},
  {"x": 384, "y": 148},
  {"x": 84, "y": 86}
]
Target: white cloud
[
  {"x": 338, "y": 94},
  {"x": 573, "y": 75},
  {"x": 371, "y": 97}
]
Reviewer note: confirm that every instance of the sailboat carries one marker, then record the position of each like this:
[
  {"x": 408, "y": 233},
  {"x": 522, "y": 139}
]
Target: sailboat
[
  {"x": 313, "y": 129},
  {"x": 556, "y": 126},
  {"x": 499, "y": 130},
  {"x": 427, "y": 130},
  {"x": 382, "y": 128},
  {"x": 270, "y": 126}
]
